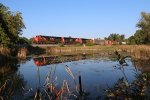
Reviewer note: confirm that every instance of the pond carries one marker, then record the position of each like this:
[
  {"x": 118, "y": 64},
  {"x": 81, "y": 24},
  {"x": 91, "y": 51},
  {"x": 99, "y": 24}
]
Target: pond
[{"x": 97, "y": 73}]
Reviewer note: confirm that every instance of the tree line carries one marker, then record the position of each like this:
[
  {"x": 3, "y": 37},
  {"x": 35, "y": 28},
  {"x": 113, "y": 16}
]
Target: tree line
[
  {"x": 141, "y": 36},
  {"x": 116, "y": 37}
]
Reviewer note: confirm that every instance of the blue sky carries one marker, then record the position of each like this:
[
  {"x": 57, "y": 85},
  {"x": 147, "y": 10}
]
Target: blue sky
[{"x": 79, "y": 18}]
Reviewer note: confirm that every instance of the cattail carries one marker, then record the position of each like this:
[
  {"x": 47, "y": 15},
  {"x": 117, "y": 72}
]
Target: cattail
[{"x": 69, "y": 71}]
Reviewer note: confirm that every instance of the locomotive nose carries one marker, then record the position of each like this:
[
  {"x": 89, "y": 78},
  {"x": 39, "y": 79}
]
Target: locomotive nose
[{"x": 35, "y": 39}]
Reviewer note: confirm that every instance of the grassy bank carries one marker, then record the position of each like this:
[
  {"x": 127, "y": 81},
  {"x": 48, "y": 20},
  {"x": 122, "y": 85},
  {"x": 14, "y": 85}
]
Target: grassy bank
[
  {"x": 79, "y": 49},
  {"x": 137, "y": 51},
  {"x": 128, "y": 48}
]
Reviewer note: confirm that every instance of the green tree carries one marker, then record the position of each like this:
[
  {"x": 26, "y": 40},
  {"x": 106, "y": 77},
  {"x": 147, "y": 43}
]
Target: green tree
[
  {"x": 23, "y": 40},
  {"x": 11, "y": 25},
  {"x": 144, "y": 26},
  {"x": 139, "y": 37},
  {"x": 115, "y": 37},
  {"x": 142, "y": 35},
  {"x": 30, "y": 40},
  {"x": 131, "y": 40}
]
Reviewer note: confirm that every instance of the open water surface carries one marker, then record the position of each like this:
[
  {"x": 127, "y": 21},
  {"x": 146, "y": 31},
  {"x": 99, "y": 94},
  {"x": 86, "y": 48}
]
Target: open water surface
[{"x": 97, "y": 73}]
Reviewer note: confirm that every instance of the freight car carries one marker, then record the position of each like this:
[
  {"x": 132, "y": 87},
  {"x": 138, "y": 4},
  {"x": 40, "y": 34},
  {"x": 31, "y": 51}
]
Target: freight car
[{"x": 56, "y": 40}]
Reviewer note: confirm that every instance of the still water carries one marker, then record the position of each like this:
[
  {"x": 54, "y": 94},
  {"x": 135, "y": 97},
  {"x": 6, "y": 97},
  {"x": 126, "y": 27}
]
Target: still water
[{"x": 97, "y": 73}]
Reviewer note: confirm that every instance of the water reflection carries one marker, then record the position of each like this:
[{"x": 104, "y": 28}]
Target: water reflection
[
  {"x": 142, "y": 64},
  {"x": 51, "y": 76},
  {"x": 47, "y": 60},
  {"x": 11, "y": 82},
  {"x": 8, "y": 69},
  {"x": 95, "y": 73},
  {"x": 41, "y": 61}
]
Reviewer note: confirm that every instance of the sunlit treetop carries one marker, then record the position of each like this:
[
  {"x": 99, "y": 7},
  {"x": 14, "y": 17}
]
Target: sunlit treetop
[{"x": 11, "y": 26}]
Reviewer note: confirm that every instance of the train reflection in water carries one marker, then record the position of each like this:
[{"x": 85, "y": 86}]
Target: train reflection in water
[
  {"x": 46, "y": 60},
  {"x": 42, "y": 61}
]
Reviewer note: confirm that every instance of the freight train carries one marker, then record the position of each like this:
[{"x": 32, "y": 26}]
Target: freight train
[{"x": 39, "y": 39}]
